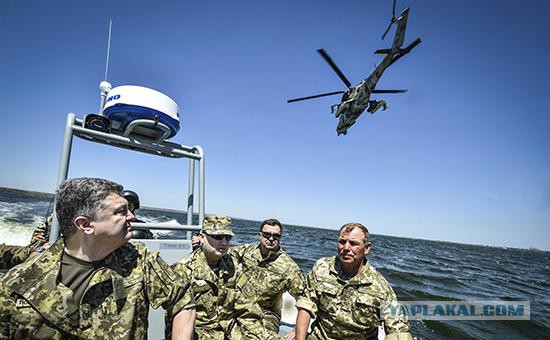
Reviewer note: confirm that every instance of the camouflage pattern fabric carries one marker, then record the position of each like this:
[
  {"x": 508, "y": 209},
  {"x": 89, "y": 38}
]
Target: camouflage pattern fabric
[
  {"x": 222, "y": 313},
  {"x": 214, "y": 294},
  {"x": 34, "y": 305},
  {"x": 11, "y": 256},
  {"x": 266, "y": 279},
  {"x": 348, "y": 308},
  {"x": 217, "y": 225}
]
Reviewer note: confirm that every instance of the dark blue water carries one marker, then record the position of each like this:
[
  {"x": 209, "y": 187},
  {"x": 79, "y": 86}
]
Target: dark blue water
[{"x": 417, "y": 269}]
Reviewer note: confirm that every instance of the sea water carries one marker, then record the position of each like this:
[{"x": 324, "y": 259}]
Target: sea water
[{"x": 418, "y": 270}]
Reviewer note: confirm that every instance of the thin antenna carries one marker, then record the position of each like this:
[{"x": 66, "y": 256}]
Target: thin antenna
[
  {"x": 105, "y": 86},
  {"x": 108, "y": 50}
]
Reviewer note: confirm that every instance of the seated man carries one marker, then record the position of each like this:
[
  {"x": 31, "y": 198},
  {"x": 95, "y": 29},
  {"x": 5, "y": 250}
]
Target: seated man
[
  {"x": 269, "y": 272},
  {"x": 345, "y": 294},
  {"x": 213, "y": 274},
  {"x": 221, "y": 313},
  {"x": 92, "y": 283}
]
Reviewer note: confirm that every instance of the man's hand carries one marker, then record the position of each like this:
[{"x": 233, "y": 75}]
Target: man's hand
[
  {"x": 39, "y": 250},
  {"x": 38, "y": 238},
  {"x": 302, "y": 324},
  {"x": 183, "y": 325},
  {"x": 291, "y": 335},
  {"x": 196, "y": 241}
]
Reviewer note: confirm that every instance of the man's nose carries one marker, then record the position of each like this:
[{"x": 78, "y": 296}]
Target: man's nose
[{"x": 130, "y": 217}]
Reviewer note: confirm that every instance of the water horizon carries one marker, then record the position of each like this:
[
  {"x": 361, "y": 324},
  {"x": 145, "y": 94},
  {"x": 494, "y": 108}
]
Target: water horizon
[{"x": 46, "y": 195}]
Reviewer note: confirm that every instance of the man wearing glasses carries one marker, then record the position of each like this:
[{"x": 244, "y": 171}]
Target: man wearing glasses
[
  {"x": 346, "y": 294},
  {"x": 213, "y": 278},
  {"x": 268, "y": 272}
]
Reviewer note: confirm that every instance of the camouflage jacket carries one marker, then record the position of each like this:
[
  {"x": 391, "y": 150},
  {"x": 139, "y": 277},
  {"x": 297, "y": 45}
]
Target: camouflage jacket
[
  {"x": 267, "y": 279},
  {"x": 214, "y": 294},
  {"x": 35, "y": 305},
  {"x": 222, "y": 313},
  {"x": 11, "y": 256},
  {"x": 348, "y": 308}
]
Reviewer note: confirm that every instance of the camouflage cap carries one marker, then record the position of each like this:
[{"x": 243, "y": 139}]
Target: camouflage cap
[{"x": 217, "y": 225}]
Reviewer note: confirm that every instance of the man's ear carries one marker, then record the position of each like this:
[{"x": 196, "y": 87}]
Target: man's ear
[
  {"x": 368, "y": 248},
  {"x": 83, "y": 224}
]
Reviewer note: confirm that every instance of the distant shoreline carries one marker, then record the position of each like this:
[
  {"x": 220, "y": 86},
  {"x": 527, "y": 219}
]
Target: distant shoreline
[
  {"x": 27, "y": 193},
  {"x": 50, "y": 196}
]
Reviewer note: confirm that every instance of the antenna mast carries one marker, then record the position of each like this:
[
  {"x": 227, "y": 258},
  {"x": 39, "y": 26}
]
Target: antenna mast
[
  {"x": 108, "y": 50},
  {"x": 105, "y": 86}
]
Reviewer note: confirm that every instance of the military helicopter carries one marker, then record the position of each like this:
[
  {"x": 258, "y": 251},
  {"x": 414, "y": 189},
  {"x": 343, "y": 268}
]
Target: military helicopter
[{"x": 357, "y": 98}]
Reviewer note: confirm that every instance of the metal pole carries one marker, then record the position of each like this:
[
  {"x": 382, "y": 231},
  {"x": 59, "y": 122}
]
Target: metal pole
[
  {"x": 63, "y": 170},
  {"x": 191, "y": 190},
  {"x": 201, "y": 184}
]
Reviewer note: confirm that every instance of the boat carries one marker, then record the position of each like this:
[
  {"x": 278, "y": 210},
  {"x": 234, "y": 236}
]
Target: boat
[{"x": 140, "y": 133}]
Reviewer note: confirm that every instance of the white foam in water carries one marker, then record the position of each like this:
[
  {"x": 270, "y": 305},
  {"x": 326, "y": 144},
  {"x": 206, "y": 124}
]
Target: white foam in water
[
  {"x": 12, "y": 231},
  {"x": 159, "y": 232}
]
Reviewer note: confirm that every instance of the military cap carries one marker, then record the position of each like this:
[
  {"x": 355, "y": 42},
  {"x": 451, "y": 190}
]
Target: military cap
[{"x": 217, "y": 225}]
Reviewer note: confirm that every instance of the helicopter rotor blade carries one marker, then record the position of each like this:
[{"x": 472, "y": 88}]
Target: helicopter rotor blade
[
  {"x": 315, "y": 96},
  {"x": 392, "y": 21},
  {"x": 387, "y": 30},
  {"x": 329, "y": 60},
  {"x": 388, "y": 91}
]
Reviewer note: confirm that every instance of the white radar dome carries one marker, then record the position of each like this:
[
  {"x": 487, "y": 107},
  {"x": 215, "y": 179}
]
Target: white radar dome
[{"x": 128, "y": 103}]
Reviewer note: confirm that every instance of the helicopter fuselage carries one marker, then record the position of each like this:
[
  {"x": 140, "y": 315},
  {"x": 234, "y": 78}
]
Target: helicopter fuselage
[{"x": 354, "y": 103}]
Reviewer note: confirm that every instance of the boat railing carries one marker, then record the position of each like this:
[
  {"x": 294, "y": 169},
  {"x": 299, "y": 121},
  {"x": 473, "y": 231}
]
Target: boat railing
[
  {"x": 164, "y": 226},
  {"x": 155, "y": 146}
]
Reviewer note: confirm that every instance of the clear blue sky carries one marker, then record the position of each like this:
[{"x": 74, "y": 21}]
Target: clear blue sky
[{"x": 463, "y": 156}]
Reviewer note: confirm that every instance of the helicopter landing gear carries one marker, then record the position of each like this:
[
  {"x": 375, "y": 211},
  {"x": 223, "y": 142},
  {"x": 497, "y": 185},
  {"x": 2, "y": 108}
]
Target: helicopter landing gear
[
  {"x": 375, "y": 105},
  {"x": 334, "y": 109}
]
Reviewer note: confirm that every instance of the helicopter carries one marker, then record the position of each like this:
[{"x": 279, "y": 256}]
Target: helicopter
[{"x": 357, "y": 98}]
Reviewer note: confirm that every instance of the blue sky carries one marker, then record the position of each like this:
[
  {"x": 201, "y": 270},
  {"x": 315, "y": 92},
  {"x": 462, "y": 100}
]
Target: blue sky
[{"x": 463, "y": 156}]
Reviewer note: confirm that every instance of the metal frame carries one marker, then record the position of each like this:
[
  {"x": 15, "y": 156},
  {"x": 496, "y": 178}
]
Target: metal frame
[{"x": 75, "y": 127}]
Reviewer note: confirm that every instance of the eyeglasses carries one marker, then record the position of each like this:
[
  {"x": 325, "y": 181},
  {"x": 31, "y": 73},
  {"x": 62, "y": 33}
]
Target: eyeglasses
[
  {"x": 269, "y": 235},
  {"x": 221, "y": 237}
]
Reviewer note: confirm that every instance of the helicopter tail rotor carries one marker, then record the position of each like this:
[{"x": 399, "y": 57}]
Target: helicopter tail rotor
[{"x": 393, "y": 20}]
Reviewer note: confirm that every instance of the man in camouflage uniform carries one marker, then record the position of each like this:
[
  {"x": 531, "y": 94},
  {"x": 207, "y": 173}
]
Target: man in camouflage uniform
[
  {"x": 11, "y": 256},
  {"x": 221, "y": 312},
  {"x": 92, "y": 283},
  {"x": 269, "y": 272},
  {"x": 345, "y": 294},
  {"x": 213, "y": 279}
]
